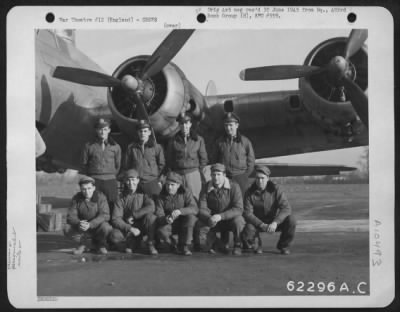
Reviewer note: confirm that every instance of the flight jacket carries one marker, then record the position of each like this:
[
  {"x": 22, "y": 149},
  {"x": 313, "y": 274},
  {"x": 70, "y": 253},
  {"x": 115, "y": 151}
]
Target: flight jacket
[
  {"x": 96, "y": 162},
  {"x": 148, "y": 160},
  {"x": 182, "y": 200},
  {"x": 237, "y": 156},
  {"x": 186, "y": 157},
  {"x": 135, "y": 205},
  {"x": 226, "y": 201},
  {"x": 95, "y": 211},
  {"x": 265, "y": 206}
]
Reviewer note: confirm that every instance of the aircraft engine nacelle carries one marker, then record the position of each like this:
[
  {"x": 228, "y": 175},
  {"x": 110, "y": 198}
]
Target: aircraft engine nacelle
[
  {"x": 165, "y": 95},
  {"x": 324, "y": 99}
]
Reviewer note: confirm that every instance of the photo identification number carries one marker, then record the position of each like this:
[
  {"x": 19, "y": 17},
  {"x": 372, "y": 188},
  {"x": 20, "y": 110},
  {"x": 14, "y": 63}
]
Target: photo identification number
[{"x": 360, "y": 288}]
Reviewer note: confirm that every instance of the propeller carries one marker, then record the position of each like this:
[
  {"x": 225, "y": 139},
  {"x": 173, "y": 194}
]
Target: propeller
[
  {"x": 358, "y": 99},
  {"x": 278, "y": 72},
  {"x": 85, "y": 76},
  {"x": 40, "y": 146},
  {"x": 135, "y": 86},
  {"x": 356, "y": 39},
  {"x": 338, "y": 72},
  {"x": 165, "y": 52}
]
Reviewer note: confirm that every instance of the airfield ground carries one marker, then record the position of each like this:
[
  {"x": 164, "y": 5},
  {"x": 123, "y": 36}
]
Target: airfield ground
[{"x": 331, "y": 246}]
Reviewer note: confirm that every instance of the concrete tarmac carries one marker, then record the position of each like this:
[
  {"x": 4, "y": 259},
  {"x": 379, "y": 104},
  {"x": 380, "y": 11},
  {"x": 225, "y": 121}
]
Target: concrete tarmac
[
  {"x": 340, "y": 257},
  {"x": 331, "y": 246}
]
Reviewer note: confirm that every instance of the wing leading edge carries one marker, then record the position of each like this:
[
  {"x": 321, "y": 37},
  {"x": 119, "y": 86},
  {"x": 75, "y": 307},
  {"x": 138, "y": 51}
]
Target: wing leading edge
[{"x": 293, "y": 170}]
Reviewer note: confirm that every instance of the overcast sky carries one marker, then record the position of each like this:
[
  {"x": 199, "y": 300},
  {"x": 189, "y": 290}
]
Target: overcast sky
[{"x": 220, "y": 56}]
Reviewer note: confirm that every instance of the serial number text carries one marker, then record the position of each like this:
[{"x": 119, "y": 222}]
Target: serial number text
[{"x": 360, "y": 288}]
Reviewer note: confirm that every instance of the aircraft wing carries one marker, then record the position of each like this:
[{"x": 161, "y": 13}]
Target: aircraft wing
[{"x": 292, "y": 170}]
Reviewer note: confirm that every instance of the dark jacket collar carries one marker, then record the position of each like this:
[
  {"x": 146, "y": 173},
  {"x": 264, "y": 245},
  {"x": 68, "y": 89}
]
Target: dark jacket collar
[
  {"x": 110, "y": 141},
  {"x": 238, "y": 138},
  {"x": 94, "y": 198},
  {"x": 164, "y": 193},
  {"x": 271, "y": 187},
  {"x": 126, "y": 192},
  {"x": 149, "y": 143},
  {"x": 193, "y": 135}
]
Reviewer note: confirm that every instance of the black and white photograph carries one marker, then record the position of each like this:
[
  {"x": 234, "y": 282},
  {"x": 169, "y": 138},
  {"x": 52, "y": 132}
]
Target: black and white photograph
[{"x": 205, "y": 166}]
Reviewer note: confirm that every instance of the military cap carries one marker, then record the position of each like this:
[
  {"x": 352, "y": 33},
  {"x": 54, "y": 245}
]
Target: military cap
[
  {"x": 101, "y": 123},
  {"x": 231, "y": 117},
  {"x": 143, "y": 124},
  {"x": 184, "y": 118},
  {"x": 131, "y": 173},
  {"x": 218, "y": 167},
  {"x": 85, "y": 179},
  {"x": 263, "y": 169},
  {"x": 174, "y": 177}
]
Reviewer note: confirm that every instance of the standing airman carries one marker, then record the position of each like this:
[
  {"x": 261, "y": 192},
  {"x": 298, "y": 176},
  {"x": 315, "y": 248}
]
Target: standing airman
[
  {"x": 186, "y": 155},
  {"x": 147, "y": 158},
  {"x": 235, "y": 151},
  {"x": 101, "y": 160}
]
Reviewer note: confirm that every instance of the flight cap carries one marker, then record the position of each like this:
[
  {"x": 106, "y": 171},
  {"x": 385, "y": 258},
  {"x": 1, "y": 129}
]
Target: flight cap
[
  {"x": 231, "y": 117},
  {"x": 263, "y": 169},
  {"x": 143, "y": 124},
  {"x": 85, "y": 179},
  {"x": 174, "y": 177},
  {"x": 131, "y": 173},
  {"x": 102, "y": 123},
  {"x": 218, "y": 167},
  {"x": 183, "y": 118}
]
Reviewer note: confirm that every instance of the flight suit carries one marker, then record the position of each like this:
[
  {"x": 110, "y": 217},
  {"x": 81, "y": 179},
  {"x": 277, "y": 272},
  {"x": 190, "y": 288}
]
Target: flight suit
[
  {"x": 184, "y": 224},
  {"x": 266, "y": 206},
  {"x": 188, "y": 157},
  {"x": 96, "y": 212},
  {"x": 237, "y": 155},
  {"x": 141, "y": 208},
  {"x": 149, "y": 161},
  {"x": 227, "y": 202},
  {"x": 103, "y": 165}
]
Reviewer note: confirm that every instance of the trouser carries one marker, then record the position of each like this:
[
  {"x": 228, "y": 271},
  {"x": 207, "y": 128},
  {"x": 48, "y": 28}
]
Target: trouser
[
  {"x": 242, "y": 180},
  {"x": 192, "y": 181},
  {"x": 146, "y": 225},
  {"x": 110, "y": 190},
  {"x": 234, "y": 225},
  {"x": 151, "y": 188},
  {"x": 98, "y": 235},
  {"x": 183, "y": 226},
  {"x": 287, "y": 229}
]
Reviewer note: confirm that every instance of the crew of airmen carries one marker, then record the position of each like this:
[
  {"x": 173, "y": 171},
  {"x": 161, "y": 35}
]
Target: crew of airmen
[{"x": 163, "y": 197}]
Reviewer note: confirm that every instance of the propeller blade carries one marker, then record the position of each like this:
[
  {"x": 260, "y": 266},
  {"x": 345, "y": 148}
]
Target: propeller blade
[
  {"x": 39, "y": 144},
  {"x": 85, "y": 76},
  {"x": 142, "y": 112},
  {"x": 355, "y": 41},
  {"x": 166, "y": 51},
  {"x": 279, "y": 72},
  {"x": 358, "y": 99}
]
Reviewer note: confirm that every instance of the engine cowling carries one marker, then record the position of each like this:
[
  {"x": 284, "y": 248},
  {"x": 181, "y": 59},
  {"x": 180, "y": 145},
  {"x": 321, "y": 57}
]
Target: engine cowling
[
  {"x": 166, "y": 95},
  {"x": 325, "y": 101}
]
